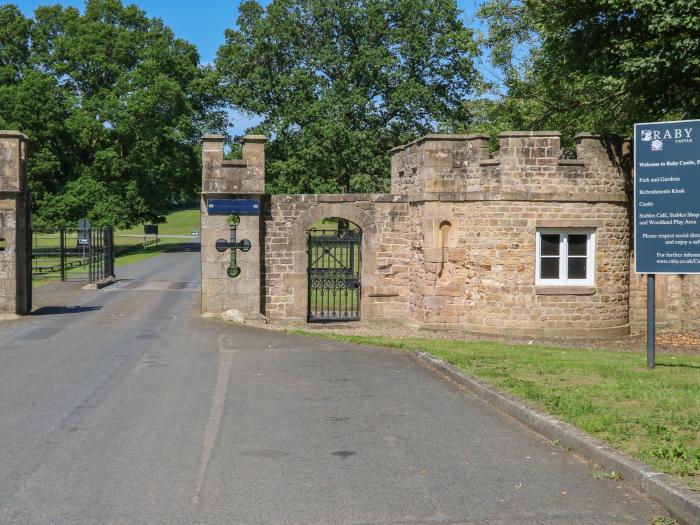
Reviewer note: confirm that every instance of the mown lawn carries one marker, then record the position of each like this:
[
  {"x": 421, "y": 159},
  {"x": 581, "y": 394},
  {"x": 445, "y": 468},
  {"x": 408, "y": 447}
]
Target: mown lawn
[
  {"x": 653, "y": 415},
  {"x": 170, "y": 246},
  {"x": 182, "y": 222},
  {"x": 165, "y": 246}
]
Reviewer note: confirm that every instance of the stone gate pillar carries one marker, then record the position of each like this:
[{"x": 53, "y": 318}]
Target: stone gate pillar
[
  {"x": 15, "y": 232},
  {"x": 232, "y": 185}
]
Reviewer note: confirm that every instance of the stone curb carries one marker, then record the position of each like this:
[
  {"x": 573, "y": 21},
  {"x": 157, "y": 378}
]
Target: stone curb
[
  {"x": 100, "y": 284},
  {"x": 681, "y": 502}
]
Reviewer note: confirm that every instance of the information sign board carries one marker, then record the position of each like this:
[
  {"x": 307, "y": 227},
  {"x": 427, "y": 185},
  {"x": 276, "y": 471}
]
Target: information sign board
[
  {"x": 228, "y": 206},
  {"x": 83, "y": 232},
  {"x": 667, "y": 197},
  {"x": 150, "y": 229}
]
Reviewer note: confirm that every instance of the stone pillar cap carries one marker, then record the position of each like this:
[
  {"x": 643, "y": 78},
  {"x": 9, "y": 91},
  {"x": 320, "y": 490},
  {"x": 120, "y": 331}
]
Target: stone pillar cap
[
  {"x": 441, "y": 137},
  {"x": 588, "y": 135},
  {"x": 12, "y": 134},
  {"x": 254, "y": 138},
  {"x": 214, "y": 137},
  {"x": 517, "y": 134}
]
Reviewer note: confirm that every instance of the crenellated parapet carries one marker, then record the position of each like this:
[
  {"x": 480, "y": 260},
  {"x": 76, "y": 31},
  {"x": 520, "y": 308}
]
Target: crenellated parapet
[
  {"x": 238, "y": 176},
  {"x": 425, "y": 165},
  {"x": 529, "y": 165}
]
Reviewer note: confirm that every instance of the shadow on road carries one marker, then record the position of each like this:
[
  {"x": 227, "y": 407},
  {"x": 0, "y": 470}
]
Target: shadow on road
[
  {"x": 189, "y": 247},
  {"x": 59, "y": 310}
]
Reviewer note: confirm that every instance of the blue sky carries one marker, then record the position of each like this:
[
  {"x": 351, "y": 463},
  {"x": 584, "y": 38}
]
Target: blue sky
[{"x": 202, "y": 23}]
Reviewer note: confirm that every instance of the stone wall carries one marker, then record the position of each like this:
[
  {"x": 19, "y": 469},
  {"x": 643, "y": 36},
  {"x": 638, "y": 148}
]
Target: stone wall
[
  {"x": 482, "y": 279},
  {"x": 677, "y": 302},
  {"x": 384, "y": 221},
  {"x": 454, "y": 244}
]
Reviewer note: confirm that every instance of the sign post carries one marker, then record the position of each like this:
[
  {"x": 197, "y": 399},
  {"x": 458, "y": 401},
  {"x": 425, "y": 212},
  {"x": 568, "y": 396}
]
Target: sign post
[
  {"x": 83, "y": 232},
  {"x": 666, "y": 207},
  {"x": 149, "y": 229},
  {"x": 651, "y": 320},
  {"x": 84, "y": 237}
]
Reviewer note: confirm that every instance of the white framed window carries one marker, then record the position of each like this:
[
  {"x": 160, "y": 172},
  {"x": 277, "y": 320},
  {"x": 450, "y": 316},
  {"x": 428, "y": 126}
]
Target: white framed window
[{"x": 565, "y": 257}]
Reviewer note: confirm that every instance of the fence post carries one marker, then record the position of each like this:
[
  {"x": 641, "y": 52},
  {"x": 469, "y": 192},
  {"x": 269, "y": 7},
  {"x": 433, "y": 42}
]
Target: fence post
[
  {"x": 108, "y": 241},
  {"x": 91, "y": 277},
  {"x": 63, "y": 253},
  {"x": 112, "y": 255}
]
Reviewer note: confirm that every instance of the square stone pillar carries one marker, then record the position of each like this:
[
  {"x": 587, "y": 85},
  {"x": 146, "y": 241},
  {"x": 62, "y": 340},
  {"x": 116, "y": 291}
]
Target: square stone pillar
[
  {"x": 15, "y": 227},
  {"x": 237, "y": 298}
]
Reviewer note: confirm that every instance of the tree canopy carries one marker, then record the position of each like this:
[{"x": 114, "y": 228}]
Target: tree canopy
[
  {"x": 114, "y": 105},
  {"x": 592, "y": 65},
  {"x": 338, "y": 83}
]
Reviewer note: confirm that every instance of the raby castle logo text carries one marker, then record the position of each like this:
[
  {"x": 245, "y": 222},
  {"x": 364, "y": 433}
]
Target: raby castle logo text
[{"x": 657, "y": 136}]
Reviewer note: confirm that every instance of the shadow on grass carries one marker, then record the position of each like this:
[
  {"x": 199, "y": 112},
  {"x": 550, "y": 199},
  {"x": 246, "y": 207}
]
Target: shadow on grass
[
  {"x": 59, "y": 310},
  {"x": 172, "y": 247},
  {"x": 160, "y": 248},
  {"x": 136, "y": 255},
  {"x": 678, "y": 365}
]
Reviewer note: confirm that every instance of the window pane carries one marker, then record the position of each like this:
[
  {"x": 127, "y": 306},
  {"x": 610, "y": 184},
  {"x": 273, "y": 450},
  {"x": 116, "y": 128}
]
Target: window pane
[
  {"x": 549, "y": 244},
  {"x": 577, "y": 267},
  {"x": 578, "y": 244},
  {"x": 549, "y": 268}
]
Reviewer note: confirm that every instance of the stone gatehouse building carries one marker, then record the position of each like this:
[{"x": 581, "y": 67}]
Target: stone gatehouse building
[{"x": 526, "y": 243}]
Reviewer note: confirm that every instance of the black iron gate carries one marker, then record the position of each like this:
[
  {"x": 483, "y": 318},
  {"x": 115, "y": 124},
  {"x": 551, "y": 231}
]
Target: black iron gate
[
  {"x": 73, "y": 254},
  {"x": 335, "y": 267}
]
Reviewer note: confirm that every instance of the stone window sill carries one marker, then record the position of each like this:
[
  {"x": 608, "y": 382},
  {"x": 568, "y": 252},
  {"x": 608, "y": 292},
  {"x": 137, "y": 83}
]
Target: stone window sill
[{"x": 565, "y": 290}]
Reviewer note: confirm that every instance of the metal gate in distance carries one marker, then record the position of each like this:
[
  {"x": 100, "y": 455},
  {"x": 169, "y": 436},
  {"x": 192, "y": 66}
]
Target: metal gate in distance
[
  {"x": 334, "y": 285},
  {"x": 73, "y": 254}
]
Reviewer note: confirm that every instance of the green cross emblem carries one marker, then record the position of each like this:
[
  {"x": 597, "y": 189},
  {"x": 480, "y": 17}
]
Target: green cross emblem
[{"x": 222, "y": 245}]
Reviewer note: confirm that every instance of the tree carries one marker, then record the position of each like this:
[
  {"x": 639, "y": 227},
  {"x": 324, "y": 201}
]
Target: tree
[
  {"x": 338, "y": 83},
  {"x": 115, "y": 106},
  {"x": 594, "y": 65}
]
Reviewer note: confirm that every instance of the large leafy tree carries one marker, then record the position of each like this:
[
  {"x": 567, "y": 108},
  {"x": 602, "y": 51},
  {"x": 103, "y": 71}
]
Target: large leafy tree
[
  {"x": 114, "y": 104},
  {"x": 338, "y": 83},
  {"x": 598, "y": 65}
]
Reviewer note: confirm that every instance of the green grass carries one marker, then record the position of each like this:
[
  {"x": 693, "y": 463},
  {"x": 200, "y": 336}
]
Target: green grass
[
  {"x": 173, "y": 245},
  {"x": 168, "y": 246},
  {"x": 182, "y": 222},
  {"x": 653, "y": 415}
]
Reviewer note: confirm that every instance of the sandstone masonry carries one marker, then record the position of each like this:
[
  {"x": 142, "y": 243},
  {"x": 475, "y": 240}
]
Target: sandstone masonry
[
  {"x": 455, "y": 244},
  {"x": 15, "y": 269}
]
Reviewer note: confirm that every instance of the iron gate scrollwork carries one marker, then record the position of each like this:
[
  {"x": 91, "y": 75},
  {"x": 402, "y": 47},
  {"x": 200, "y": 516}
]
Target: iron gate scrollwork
[{"x": 335, "y": 265}]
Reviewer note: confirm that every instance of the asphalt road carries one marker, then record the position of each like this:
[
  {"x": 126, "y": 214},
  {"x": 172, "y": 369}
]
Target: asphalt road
[{"x": 123, "y": 406}]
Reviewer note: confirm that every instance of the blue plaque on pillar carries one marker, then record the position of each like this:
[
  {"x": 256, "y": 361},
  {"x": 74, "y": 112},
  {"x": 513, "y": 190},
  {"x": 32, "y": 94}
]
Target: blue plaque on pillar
[{"x": 237, "y": 206}]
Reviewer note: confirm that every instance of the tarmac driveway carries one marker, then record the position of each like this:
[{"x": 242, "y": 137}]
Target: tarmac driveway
[{"x": 123, "y": 406}]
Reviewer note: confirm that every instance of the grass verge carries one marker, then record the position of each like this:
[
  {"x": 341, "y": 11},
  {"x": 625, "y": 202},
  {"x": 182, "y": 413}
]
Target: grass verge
[{"x": 652, "y": 415}]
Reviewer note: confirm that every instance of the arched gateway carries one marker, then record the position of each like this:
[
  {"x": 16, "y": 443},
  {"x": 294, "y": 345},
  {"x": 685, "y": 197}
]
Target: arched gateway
[{"x": 334, "y": 271}]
